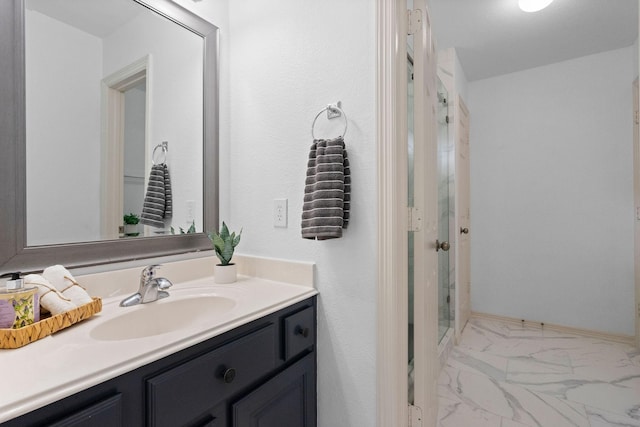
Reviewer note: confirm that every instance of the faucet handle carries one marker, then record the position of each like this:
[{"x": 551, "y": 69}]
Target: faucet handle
[
  {"x": 163, "y": 283},
  {"x": 149, "y": 272}
]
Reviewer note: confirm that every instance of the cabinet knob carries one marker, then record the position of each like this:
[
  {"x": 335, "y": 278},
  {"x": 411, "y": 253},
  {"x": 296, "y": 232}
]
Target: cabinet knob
[
  {"x": 229, "y": 375},
  {"x": 302, "y": 331}
]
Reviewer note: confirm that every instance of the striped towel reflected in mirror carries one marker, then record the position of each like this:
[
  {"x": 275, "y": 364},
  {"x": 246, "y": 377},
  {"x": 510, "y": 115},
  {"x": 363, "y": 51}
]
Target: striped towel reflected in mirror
[
  {"x": 327, "y": 191},
  {"x": 157, "y": 203}
]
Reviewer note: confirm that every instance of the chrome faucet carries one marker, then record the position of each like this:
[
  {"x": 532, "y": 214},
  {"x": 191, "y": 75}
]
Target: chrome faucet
[{"x": 151, "y": 288}]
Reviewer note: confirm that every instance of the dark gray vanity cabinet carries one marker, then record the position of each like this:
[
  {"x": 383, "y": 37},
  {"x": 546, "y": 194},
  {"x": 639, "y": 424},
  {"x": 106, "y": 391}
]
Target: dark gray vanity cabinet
[{"x": 262, "y": 373}]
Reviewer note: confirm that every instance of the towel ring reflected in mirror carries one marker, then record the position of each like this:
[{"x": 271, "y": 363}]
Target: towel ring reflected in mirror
[
  {"x": 333, "y": 111},
  {"x": 165, "y": 149}
]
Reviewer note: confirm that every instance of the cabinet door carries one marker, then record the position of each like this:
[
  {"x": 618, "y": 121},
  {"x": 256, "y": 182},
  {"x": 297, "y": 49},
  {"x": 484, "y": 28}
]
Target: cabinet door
[
  {"x": 288, "y": 399},
  {"x": 177, "y": 396},
  {"x": 106, "y": 413}
]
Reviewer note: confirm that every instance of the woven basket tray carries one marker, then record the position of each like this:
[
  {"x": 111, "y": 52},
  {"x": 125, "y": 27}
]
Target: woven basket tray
[{"x": 15, "y": 338}]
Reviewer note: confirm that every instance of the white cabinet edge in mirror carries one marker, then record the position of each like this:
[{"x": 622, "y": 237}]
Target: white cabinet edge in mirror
[{"x": 14, "y": 252}]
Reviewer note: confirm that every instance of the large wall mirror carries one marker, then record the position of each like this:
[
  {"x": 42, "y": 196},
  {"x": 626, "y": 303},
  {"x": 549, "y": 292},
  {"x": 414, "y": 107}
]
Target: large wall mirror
[{"x": 98, "y": 97}]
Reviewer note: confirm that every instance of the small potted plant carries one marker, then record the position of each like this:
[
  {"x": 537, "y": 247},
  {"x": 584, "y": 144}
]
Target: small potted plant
[
  {"x": 190, "y": 230},
  {"x": 224, "y": 243},
  {"x": 131, "y": 221}
]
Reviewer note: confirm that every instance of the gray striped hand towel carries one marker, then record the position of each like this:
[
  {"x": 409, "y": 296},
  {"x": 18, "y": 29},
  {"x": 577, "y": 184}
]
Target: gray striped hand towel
[
  {"x": 327, "y": 191},
  {"x": 157, "y": 203}
]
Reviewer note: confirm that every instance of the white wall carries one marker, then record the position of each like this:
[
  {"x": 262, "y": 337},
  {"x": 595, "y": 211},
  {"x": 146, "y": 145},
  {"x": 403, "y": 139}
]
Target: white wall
[
  {"x": 551, "y": 199},
  {"x": 63, "y": 66},
  {"x": 288, "y": 60}
]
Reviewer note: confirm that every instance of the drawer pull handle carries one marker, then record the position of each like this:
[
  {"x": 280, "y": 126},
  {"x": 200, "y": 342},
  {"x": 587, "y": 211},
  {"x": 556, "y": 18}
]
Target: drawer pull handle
[
  {"x": 302, "y": 331},
  {"x": 229, "y": 375}
]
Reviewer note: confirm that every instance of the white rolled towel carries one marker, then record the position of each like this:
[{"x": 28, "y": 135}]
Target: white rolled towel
[
  {"x": 50, "y": 298},
  {"x": 64, "y": 282}
]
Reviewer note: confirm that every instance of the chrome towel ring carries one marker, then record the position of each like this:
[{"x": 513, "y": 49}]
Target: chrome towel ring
[
  {"x": 165, "y": 149},
  {"x": 333, "y": 111}
]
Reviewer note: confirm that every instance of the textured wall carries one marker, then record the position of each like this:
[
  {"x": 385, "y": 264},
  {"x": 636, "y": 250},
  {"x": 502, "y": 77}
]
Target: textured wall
[{"x": 288, "y": 60}]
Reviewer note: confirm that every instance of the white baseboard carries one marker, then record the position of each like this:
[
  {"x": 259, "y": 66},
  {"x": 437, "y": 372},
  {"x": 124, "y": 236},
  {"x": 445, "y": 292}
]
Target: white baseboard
[{"x": 620, "y": 338}]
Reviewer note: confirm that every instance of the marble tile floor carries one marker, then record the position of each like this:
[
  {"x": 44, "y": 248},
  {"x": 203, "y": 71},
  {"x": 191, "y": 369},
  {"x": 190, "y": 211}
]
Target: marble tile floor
[{"x": 509, "y": 375}]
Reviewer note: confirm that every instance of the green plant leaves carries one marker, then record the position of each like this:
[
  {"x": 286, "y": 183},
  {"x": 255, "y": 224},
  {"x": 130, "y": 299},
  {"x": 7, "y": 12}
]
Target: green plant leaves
[
  {"x": 131, "y": 218},
  {"x": 192, "y": 229},
  {"x": 224, "y": 243}
]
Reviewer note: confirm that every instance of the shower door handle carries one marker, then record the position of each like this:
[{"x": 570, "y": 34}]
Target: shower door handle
[{"x": 445, "y": 246}]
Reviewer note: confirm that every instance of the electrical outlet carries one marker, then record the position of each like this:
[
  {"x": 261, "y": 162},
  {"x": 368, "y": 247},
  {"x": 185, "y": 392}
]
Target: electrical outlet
[
  {"x": 191, "y": 211},
  {"x": 280, "y": 213}
]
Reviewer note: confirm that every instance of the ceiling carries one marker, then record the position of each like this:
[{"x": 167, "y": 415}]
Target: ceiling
[
  {"x": 494, "y": 37},
  {"x": 97, "y": 17}
]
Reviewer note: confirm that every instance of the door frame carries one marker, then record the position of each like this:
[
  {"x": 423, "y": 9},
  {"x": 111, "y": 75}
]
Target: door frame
[
  {"x": 112, "y": 140},
  {"x": 393, "y": 226},
  {"x": 392, "y": 294}
]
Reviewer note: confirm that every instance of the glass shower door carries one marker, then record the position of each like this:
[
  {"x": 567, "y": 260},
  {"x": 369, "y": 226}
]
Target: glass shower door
[
  {"x": 422, "y": 214},
  {"x": 444, "y": 211},
  {"x": 410, "y": 198}
]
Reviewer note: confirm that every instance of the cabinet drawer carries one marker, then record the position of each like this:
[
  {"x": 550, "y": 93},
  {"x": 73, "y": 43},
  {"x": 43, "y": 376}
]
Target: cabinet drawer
[
  {"x": 299, "y": 332},
  {"x": 176, "y": 396}
]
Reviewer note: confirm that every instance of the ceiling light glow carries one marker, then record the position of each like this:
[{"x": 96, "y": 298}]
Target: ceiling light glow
[{"x": 533, "y": 5}]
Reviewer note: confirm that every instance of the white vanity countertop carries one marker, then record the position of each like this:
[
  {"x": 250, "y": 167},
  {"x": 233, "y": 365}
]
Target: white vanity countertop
[{"x": 72, "y": 360}]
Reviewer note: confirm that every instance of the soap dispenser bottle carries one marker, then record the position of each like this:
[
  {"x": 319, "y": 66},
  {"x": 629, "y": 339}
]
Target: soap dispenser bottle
[{"x": 19, "y": 306}]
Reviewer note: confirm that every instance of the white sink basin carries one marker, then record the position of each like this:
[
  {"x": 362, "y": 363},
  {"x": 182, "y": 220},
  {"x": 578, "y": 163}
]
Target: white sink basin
[{"x": 161, "y": 317}]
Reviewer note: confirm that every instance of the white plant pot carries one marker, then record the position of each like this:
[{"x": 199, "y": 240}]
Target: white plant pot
[
  {"x": 225, "y": 273},
  {"x": 131, "y": 229}
]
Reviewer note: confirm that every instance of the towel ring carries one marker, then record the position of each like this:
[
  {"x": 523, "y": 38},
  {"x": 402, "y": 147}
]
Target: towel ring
[
  {"x": 333, "y": 111},
  {"x": 165, "y": 149}
]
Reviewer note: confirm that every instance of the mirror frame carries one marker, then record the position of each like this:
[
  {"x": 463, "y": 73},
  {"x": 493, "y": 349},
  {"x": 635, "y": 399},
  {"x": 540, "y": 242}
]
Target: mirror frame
[{"x": 15, "y": 255}]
